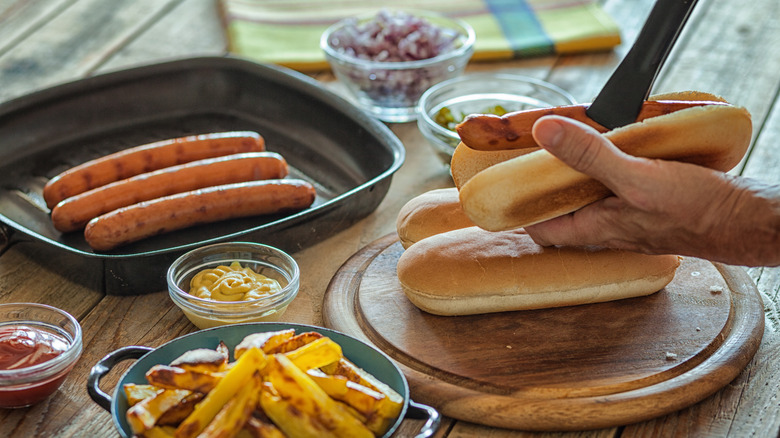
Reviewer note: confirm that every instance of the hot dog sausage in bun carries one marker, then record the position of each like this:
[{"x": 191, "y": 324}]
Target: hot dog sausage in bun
[{"x": 536, "y": 186}]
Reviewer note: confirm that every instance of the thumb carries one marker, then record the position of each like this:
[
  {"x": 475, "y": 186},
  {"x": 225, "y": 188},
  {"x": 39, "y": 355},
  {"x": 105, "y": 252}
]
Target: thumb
[{"x": 581, "y": 147}]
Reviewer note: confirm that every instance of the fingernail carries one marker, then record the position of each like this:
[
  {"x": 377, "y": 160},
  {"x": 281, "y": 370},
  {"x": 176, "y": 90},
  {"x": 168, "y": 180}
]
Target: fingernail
[{"x": 548, "y": 132}]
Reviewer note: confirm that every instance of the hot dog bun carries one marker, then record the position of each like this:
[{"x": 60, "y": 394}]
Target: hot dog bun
[
  {"x": 470, "y": 158},
  {"x": 432, "y": 212},
  {"x": 537, "y": 186},
  {"x": 473, "y": 271},
  {"x": 467, "y": 162}
]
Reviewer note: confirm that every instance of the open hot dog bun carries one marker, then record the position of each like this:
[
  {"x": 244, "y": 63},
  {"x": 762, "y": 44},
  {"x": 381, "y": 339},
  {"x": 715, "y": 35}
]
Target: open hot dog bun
[
  {"x": 537, "y": 186},
  {"x": 430, "y": 213},
  {"x": 467, "y": 162},
  {"x": 473, "y": 271}
]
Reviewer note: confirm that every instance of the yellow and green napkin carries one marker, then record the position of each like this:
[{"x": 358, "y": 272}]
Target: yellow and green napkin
[{"x": 287, "y": 32}]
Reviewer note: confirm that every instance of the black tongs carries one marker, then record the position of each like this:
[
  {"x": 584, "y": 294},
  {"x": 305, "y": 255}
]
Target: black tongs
[{"x": 621, "y": 99}]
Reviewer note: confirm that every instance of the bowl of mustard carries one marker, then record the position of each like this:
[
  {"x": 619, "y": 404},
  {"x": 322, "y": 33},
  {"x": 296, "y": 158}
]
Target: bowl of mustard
[{"x": 232, "y": 283}]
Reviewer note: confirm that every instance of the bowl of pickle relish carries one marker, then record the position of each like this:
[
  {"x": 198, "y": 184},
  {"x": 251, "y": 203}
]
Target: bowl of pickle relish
[{"x": 443, "y": 106}]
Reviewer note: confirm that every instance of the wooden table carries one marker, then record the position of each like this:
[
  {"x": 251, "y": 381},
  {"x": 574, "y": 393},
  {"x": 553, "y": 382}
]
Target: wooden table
[{"x": 728, "y": 48}]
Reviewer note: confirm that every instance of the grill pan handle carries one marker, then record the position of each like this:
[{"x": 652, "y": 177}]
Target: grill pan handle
[{"x": 104, "y": 366}]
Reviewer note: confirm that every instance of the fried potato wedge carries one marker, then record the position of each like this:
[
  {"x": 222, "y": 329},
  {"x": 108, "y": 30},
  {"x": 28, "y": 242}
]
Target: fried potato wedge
[
  {"x": 143, "y": 415},
  {"x": 362, "y": 398},
  {"x": 204, "y": 359},
  {"x": 135, "y": 393},
  {"x": 296, "y": 342},
  {"x": 300, "y": 408},
  {"x": 178, "y": 413},
  {"x": 178, "y": 378},
  {"x": 316, "y": 354},
  {"x": 389, "y": 407},
  {"x": 259, "y": 428},
  {"x": 236, "y": 412},
  {"x": 251, "y": 361},
  {"x": 266, "y": 342}
]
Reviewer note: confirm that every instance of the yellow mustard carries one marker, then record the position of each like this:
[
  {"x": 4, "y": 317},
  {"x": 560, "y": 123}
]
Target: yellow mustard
[{"x": 232, "y": 283}]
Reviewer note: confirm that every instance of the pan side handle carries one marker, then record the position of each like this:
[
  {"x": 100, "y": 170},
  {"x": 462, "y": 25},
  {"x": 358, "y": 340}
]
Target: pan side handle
[
  {"x": 104, "y": 366},
  {"x": 419, "y": 411}
]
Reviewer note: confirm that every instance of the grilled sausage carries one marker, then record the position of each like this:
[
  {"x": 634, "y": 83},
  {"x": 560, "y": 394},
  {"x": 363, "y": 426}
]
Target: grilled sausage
[
  {"x": 146, "y": 158},
  {"x": 74, "y": 212},
  {"x": 174, "y": 212}
]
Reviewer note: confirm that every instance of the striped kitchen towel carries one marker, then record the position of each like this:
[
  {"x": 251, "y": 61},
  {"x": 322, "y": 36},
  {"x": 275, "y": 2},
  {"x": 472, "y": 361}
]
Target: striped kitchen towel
[{"x": 287, "y": 32}]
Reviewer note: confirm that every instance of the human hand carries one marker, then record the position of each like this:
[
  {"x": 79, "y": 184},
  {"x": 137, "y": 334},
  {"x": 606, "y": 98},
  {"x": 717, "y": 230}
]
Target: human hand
[{"x": 660, "y": 207}]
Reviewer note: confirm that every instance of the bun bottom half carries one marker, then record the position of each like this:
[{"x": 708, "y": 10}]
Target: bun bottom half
[{"x": 472, "y": 271}]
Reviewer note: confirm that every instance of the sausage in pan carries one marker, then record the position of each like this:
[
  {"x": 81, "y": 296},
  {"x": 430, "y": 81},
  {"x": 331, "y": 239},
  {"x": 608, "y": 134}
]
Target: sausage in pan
[
  {"x": 212, "y": 204},
  {"x": 74, "y": 212},
  {"x": 146, "y": 158}
]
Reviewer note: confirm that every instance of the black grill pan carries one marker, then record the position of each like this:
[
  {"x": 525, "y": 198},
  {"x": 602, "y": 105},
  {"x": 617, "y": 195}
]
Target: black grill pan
[{"x": 348, "y": 156}]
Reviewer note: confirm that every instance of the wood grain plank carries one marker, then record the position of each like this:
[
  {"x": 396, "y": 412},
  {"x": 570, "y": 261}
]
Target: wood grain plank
[
  {"x": 722, "y": 33},
  {"x": 19, "y": 18},
  {"x": 584, "y": 75},
  {"x": 190, "y": 28},
  {"x": 467, "y": 430},
  {"x": 41, "y": 274},
  {"x": 74, "y": 42}
]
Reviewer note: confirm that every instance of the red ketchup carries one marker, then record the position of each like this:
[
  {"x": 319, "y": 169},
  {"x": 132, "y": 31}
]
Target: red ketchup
[{"x": 23, "y": 346}]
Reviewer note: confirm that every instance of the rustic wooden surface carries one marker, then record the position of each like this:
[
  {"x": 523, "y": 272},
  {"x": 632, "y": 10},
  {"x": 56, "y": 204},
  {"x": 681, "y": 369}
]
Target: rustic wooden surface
[{"x": 728, "y": 48}]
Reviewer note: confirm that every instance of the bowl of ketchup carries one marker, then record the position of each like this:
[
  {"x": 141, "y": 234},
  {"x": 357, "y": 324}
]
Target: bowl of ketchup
[{"x": 39, "y": 345}]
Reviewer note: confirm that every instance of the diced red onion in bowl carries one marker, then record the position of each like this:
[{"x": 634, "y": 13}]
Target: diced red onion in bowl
[
  {"x": 389, "y": 59},
  {"x": 393, "y": 37}
]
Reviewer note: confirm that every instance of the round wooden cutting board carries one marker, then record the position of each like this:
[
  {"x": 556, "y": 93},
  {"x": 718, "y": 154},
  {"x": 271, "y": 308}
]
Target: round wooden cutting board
[{"x": 569, "y": 368}]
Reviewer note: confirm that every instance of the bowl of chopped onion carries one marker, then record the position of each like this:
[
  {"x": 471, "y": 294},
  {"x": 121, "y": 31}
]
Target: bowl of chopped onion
[
  {"x": 388, "y": 59},
  {"x": 448, "y": 103}
]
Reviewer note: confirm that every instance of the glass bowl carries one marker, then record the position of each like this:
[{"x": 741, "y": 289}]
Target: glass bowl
[
  {"x": 481, "y": 93},
  {"x": 36, "y": 372},
  {"x": 390, "y": 90},
  {"x": 262, "y": 259}
]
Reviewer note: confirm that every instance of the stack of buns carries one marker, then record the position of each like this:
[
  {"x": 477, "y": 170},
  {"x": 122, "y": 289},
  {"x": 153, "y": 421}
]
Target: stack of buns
[{"x": 465, "y": 251}]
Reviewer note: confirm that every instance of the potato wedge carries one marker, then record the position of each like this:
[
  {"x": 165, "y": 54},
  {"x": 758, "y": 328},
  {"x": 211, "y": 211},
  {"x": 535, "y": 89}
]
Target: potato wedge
[
  {"x": 296, "y": 342},
  {"x": 258, "y": 428},
  {"x": 389, "y": 408},
  {"x": 136, "y": 393},
  {"x": 316, "y": 354},
  {"x": 362, "y": 398},
  {"x": 251, "y": 361},
  {"x": 177, "y": 414},
  {"x": 266, "y": 342},
  {"x": 143, "y": 415},
  {"x": 204, "y": 359},
  {"x": 300, "y": 408},
  {"x": 178, "y": 378},
  {"x": 236, "y": 412}
]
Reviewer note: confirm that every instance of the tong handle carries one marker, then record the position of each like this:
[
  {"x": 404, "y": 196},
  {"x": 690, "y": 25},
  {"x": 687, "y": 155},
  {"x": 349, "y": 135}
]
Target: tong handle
[{"x": 621, "y": 99}]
